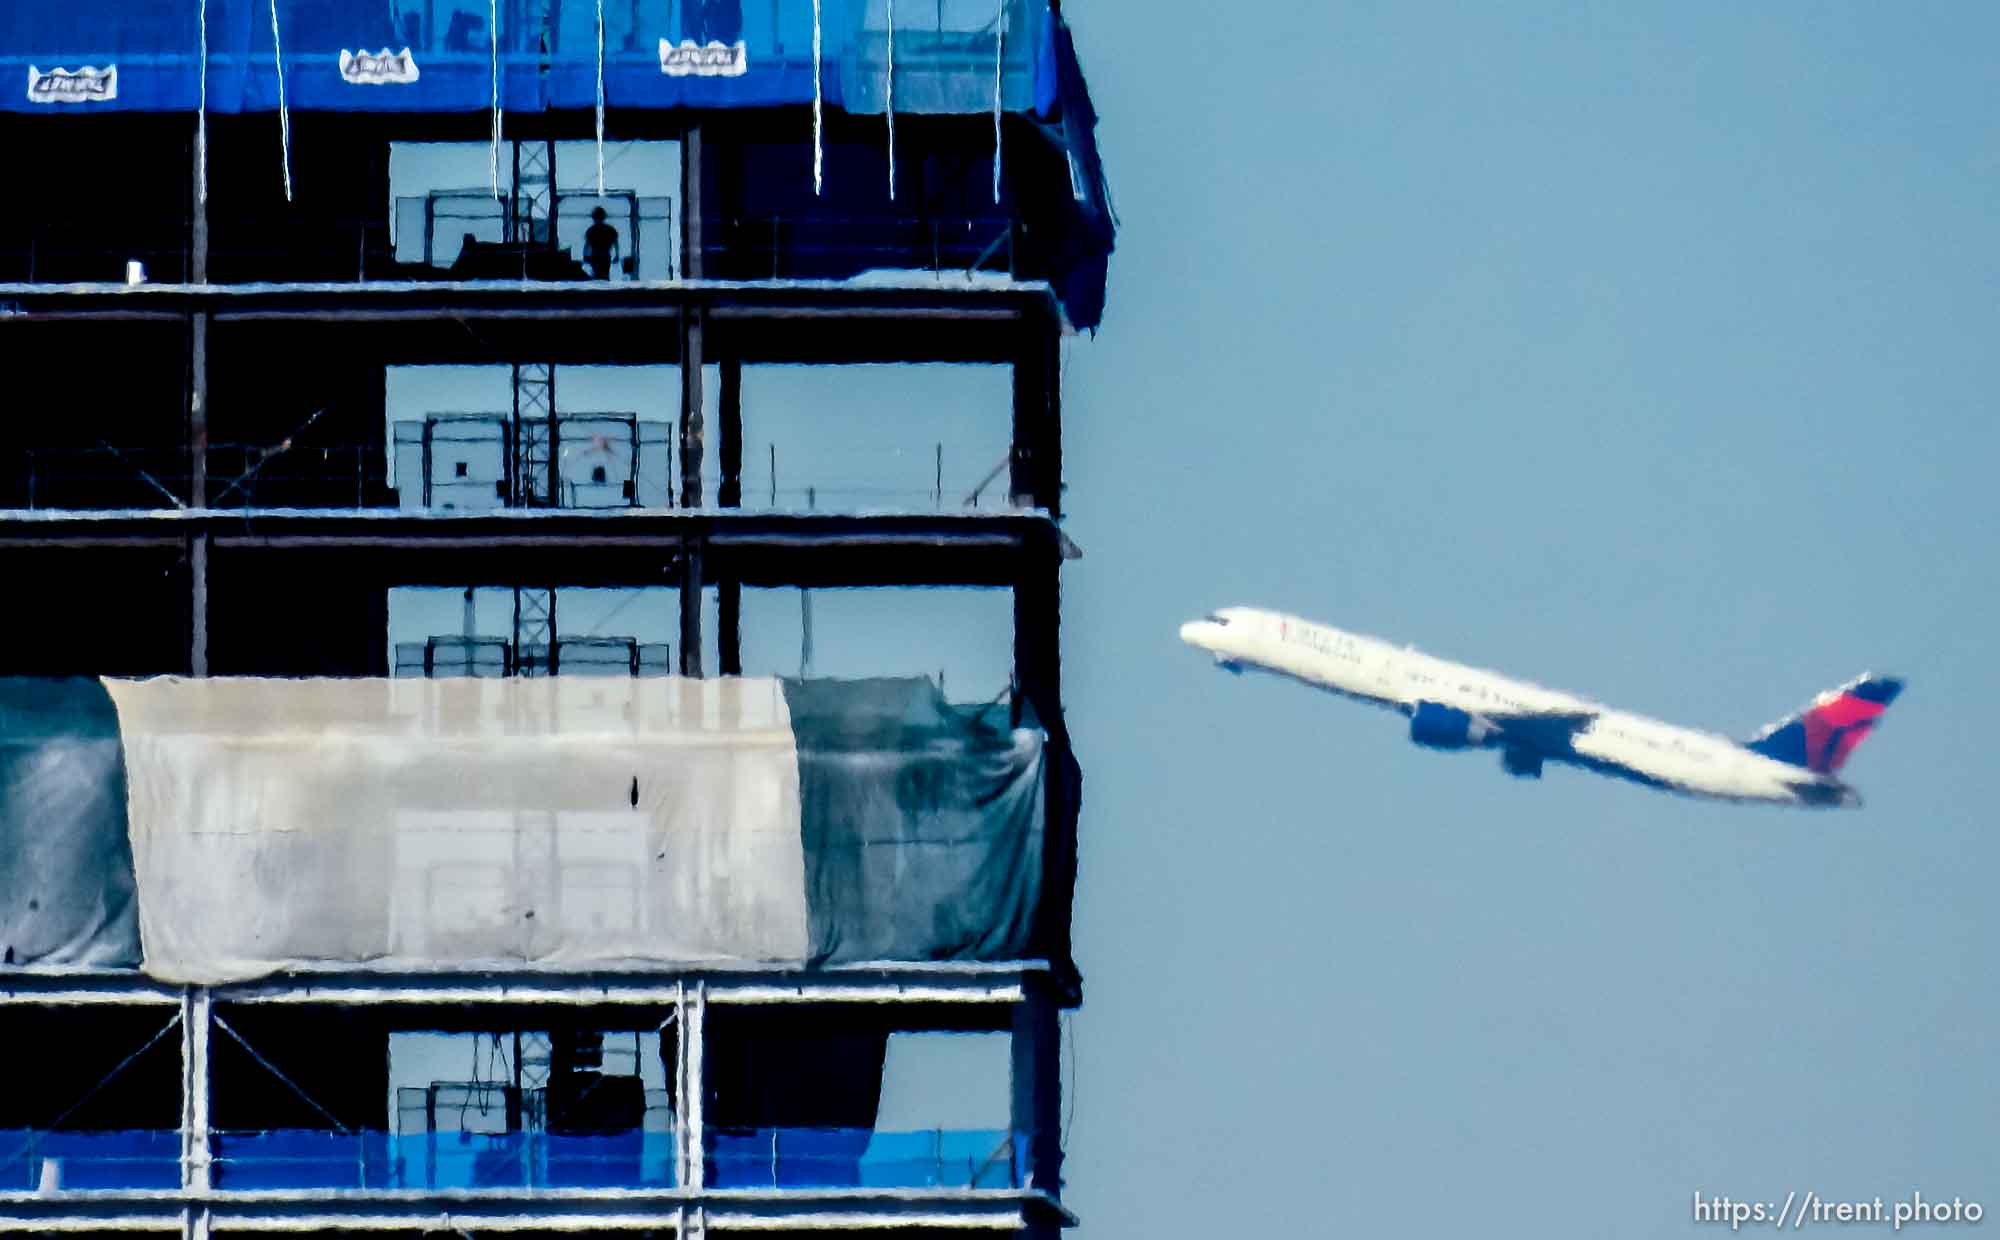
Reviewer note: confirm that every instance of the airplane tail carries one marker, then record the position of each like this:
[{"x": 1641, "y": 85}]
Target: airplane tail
[{"x": 1822, "y": 735}]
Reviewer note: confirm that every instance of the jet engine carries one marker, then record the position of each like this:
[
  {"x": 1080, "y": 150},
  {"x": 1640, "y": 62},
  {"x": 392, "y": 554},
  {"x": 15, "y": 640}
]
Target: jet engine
[
  {"x": 1521, "y": 763},
  {"x": 1444, "y": 727}
]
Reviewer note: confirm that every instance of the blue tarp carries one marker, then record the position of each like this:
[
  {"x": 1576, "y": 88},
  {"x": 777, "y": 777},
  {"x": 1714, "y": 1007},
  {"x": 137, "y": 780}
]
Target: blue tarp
[
  {"x": 861, "y": 1158},
  {"x": 656, "y": 54},
  {"x": 87, "y": 1160},
  {"x": 305, "y": 1158},
  {"x": 378, "y": 1161},
  {"x": 1086, "y": 223}
]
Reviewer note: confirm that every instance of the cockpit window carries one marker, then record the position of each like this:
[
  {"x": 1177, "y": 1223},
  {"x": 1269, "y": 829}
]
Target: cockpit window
[{"x": 1216, "y": 617}]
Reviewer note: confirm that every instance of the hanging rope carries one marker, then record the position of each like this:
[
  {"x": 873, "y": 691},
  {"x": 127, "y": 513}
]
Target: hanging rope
[
  {"x": 600, "y": 98},
  {"x": 493, "y": 38},
  {"x": 284, "y": 116},
  {"x": 999, "y": 57},
  {"x": 818, "y": 157},
  {"x": 891, "y": 108},
  {"x": 201, "y": 117}
]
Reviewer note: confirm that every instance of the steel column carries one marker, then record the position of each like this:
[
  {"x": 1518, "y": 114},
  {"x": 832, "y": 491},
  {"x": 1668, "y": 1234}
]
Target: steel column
[
  {"x": 1038, "y": 640},
  {"x": 691, "y": 203},
  {"x": 197, "y": 435},
  {"x": 729, "y": 625},
  {"x": 691, "y": 1011},
  {"x": 691, "y": 428},
  {"x": 729, "y": 590},
  {"x": 691, "y": 586},
  {"x": 730, "y": 432},
  {"x": 691, "y": 320},
  {"x": 196, "y": 1159},
  {"x": 1037, "y": 1090},
  {"x": 1035, "y": 465}
]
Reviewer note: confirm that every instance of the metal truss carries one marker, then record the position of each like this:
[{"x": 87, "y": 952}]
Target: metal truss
[
  {"x": 537, "y": 465},
  {"x": 531, "y": 201}
]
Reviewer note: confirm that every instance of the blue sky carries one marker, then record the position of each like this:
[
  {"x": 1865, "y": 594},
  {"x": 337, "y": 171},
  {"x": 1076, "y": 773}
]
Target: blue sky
[{"x": 1640, "y": 350}]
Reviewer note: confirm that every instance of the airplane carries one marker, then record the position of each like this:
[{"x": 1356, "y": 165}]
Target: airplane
[{"x": 1795, "y": 761}]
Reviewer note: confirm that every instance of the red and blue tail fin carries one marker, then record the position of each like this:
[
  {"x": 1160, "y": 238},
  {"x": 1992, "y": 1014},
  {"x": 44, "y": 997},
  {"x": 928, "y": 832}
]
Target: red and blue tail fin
[{"x": 1820, "y": 737}]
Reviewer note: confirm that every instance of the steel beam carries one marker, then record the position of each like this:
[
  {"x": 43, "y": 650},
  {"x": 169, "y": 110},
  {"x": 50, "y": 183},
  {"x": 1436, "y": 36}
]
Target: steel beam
[
  {"x": 67, "y": 988},
  {"x": 886, "y": 982},
  {"x": 477, "y": 1211},
  {"x": 737, "y": 301},
  {"x": 512, "y": 527},
  {"x": 628, "y": 547}
]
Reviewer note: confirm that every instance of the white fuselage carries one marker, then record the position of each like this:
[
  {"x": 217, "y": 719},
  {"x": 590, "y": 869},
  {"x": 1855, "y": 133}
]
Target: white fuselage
[{"x": 1402, "y": 678}]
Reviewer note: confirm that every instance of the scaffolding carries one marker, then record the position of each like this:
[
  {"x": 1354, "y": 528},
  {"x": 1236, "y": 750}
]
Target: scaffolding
[{"x": 483, "y": 1149}]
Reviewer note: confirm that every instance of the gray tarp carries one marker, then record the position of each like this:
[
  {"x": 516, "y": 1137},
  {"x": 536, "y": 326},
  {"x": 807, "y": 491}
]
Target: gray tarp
[
  {"x": 567, "y": 823},
  {"x": 66, "y": 888},
  {"x": 923, "y": 823}
]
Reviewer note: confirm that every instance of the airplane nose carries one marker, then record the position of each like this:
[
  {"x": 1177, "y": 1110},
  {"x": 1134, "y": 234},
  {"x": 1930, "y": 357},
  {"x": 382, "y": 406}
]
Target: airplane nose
[{"x": 1191, "y": 632}]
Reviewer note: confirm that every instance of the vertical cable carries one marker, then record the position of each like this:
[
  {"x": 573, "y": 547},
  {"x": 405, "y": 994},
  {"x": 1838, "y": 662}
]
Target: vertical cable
[
  {"x": 284, "y": 116},
  {"x": 818, "y": 158},
  {"x": 600, "y": 98},
  {"x": 999, "y": 55},
  {"x": 201, "y": 116},
  {"x": 493, "y": 38},
  {"x": 891, "y": 108}
]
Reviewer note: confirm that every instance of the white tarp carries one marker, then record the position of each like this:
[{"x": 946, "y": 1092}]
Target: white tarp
[{"x": 453, "y": 823}]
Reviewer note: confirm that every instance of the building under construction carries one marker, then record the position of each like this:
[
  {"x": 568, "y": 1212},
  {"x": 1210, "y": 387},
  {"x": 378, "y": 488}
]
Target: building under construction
[{"x": 421, "y": 807}]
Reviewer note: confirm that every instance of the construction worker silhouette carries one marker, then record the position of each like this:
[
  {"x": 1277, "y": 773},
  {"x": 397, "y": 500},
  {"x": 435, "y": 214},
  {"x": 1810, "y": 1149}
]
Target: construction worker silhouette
[{"x": 600, "y": 245}]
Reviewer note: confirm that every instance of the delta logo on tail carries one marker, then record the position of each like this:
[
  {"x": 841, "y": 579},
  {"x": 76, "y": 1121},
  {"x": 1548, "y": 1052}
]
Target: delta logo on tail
[
  {"x": 1820, "y": 737},
  {"x": 1795, "y": 761}
]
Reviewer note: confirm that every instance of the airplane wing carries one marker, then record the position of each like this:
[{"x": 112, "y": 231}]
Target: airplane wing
[{"x": 1549, "y": 731}]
